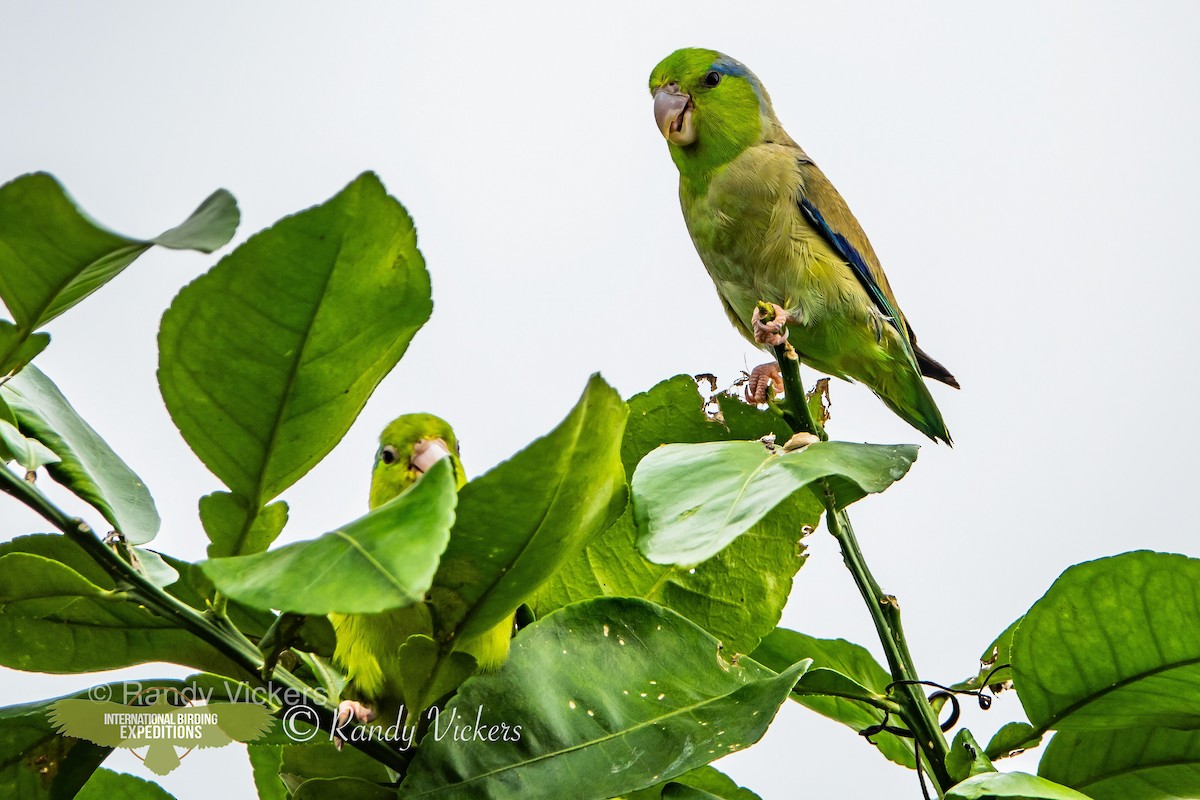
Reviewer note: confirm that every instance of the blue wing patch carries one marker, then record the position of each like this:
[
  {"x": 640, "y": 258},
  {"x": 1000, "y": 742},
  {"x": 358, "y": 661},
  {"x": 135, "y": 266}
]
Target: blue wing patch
[{"x": 843, "y": 248}]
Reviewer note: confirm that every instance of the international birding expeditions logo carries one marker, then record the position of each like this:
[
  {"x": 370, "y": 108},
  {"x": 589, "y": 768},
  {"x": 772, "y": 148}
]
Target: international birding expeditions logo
[{"x": 162, "y": 719}]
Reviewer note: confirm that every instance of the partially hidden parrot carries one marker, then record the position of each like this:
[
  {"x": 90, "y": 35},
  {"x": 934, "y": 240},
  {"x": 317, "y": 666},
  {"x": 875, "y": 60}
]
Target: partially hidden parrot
[
  {"x": 769, "y": 226},
  {"x": 368, "y": 645}
]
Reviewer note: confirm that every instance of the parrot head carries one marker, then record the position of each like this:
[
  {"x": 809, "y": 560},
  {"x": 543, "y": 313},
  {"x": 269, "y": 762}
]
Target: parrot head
[
  {"x": 709, "y": 108},
  {"x": 408, "y": 447}
]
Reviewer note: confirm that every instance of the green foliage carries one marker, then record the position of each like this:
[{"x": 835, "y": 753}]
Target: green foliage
[
  {"x": 52, "y": 256},
  {"x": 1114, "y": 642},
  {"x": 702, "y": 783},
  {"x": 571, "y": 486},
  {"x": 657, "y": 700},
  {"x": 87, "y": 465},
  {"x": 36, "y": 763},
  {"x": 841, "y": 671},
  {"x": 691, "y": 500},
  {"x": 1126, "y": 763},
  {"x": 383, "y": 560},
  {"x": 736, "y": 596},
  {"x": 266, "y": 360},
  {"x": 108, "y": 785},
  {"x": 633, "y": 676},
  {"x": 1011, "y": 784}
]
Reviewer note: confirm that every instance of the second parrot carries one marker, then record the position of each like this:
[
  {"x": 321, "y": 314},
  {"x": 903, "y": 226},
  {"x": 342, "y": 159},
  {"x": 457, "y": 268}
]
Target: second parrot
[{"x": 368, "y": 645}]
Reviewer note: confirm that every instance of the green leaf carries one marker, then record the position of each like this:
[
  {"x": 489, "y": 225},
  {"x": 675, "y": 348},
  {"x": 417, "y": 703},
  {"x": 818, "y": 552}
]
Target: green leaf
[
  {"x": 29, "y": 453},
  {"x": 52, "y": 256},
  {"x": 88, "y": 466},
  {"x": 37, "y": 763},
  {"x": 87, "y": 634},
  {"x": 966, "y": 757},
  {"x": 691, "y": 500},
  {"x": 33, "y": 586},
  {"x": 1012, "y": 739},
  {"x": 152, "y": 565},
  {"x": 519, "y": 522},
  {"x": 21, "y": 346},
  {"x": 266, "y": 360},
  {"x": 1011, "y": 784},
  {"x": 266, "y": 761},
  {"x": 783, "y": 647},
  {"x": 223, "y": 516},
  {"x": 108, "y": 785},
  {"x": 1126, "y": 763},
  {"x": 708, "y": 781},
  {"x": 322, "y": 760},
  {"x": 739, "y": 594},
  {"x": 1113, "y": 643},
  {"x": 381, "y": 561},
  {"x": 342, "y": 789},
  {"x": 418, "y": 658},
  {"x": 640, "y": 695}
]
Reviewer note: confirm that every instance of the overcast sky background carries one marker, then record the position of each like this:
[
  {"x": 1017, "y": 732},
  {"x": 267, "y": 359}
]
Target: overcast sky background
[{"x": 1028, "y": 176}]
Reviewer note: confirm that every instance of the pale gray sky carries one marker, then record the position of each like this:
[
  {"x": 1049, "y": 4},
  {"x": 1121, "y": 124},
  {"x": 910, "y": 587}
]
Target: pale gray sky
[{"x": 1027, "y": 174}]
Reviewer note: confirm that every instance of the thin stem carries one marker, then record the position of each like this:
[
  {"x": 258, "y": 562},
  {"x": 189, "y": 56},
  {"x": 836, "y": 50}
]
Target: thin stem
[
  {"x": 237, "y": 648},
  {"x": 920, "y": 717}
]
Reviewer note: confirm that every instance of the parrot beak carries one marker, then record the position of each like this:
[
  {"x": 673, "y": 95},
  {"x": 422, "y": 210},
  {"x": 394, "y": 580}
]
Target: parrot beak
[
  {"x": 673, "y": 113},
  {"x": 428, "y": 452}
]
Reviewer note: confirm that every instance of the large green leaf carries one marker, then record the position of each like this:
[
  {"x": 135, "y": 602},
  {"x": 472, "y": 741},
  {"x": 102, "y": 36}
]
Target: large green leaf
[
  {"x": 1126, "y": 763},
  {"x": 36, "y": 763},
  {"x": 705, "y": 782},
  {"x": 64, "y": 634},
  {"x": 88, "y": 466},
  {"x": 784, "y": 647},
  {"x": 108, "y": 785},
  {"x": 381, "y": 561},
  {"x": 266, "y": 360},
  {"x": 1017, "y": 785},
  {"x": 691, "y": 500},
  {"x": 225, "y": 517},
  {"x": 739, "y": 594},
  {"x": 1113, "y": 643},
  {"x": 52, "y": 256},
  {"x": 519, "y": 522},
  {"x": 640, "y": 695}
]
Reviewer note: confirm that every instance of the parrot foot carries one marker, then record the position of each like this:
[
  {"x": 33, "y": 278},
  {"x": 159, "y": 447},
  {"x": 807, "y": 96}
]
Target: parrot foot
[
  {"x": 769, "y": 331},
  {"x": 347, "y": 709},
  {"x": 761, "y": 378}
]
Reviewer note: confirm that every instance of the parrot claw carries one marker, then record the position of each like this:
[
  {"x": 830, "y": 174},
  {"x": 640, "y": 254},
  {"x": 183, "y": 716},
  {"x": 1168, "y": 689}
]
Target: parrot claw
[
  {"x": 761, "y": 378},
  {"x": 770, "y": 332},
  {"x": 347, "y": 709}
]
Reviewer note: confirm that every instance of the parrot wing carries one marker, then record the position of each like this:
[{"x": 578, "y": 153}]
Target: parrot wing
[{"x": 830, "y": 217}]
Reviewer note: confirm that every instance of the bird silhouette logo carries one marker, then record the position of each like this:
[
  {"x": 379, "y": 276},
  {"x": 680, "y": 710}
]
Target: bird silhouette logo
[{"x": 169, "y": 728}]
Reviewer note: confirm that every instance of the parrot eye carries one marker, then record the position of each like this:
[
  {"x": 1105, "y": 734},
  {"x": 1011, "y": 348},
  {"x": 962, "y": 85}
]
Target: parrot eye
[
  {"x": 712, "y": 79},
  {"x": 388, "y": 454}
]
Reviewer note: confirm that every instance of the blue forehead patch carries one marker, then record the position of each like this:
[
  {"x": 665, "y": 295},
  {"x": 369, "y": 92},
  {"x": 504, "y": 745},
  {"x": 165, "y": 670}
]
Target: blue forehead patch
[{"x": 736, "y": 69}]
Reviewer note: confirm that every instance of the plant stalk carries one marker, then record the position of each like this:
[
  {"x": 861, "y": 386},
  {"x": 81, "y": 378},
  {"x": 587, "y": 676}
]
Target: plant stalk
[
  {"x": 916, "y": 711},
  {"x": 237, "y": 649}
]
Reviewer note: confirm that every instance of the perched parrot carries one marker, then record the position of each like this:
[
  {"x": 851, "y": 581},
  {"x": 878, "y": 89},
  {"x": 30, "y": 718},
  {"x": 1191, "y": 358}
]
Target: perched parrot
[
  {"x": 368, "y": 644},
  {"x": 769, "y": 226}
]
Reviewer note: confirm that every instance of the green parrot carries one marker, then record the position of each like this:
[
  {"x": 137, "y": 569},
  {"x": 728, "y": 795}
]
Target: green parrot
[
  {"x": 769, "y": 226},
  {"x": 368, "y": 644}
]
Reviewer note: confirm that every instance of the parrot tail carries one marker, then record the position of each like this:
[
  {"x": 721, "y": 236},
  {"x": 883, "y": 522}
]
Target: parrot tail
[
  {"x": 915, "y": 405},
  {"x": 930, "y": 368}
]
